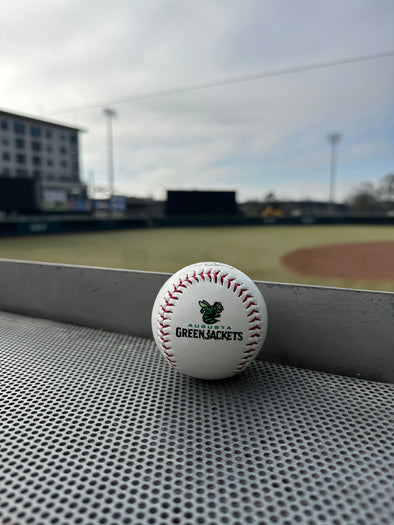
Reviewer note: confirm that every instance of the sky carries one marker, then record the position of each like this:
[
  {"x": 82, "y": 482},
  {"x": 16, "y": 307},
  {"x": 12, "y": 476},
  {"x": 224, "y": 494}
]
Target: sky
[{"x": 67, "y": 60}]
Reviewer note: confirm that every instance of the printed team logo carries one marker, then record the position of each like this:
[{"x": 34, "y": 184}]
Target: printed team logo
[
  {"x": 210, "y": 329},
  {"x": 211, "y": 314}
]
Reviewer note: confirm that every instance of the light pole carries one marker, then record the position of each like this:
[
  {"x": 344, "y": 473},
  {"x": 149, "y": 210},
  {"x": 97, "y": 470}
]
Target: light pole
[
  {"x": 110, "y": 115},
  {"x": 333, "y": 139}
]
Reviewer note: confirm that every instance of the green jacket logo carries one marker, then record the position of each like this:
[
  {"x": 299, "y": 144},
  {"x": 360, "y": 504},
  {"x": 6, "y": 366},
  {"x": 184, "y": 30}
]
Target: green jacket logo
[{"x": 211, "y": 314}]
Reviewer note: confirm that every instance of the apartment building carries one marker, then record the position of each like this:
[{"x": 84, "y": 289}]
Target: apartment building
[{"x": 47, "y": 152}]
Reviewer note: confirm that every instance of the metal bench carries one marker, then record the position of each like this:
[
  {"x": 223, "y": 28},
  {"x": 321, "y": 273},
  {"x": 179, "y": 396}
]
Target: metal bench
[{"x": 96, "y": 428}]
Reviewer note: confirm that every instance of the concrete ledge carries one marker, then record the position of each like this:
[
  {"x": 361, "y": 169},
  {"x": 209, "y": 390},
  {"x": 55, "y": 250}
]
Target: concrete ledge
[{"x": 348, "y": 332}]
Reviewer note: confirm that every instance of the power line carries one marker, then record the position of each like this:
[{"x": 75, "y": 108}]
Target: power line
[{"x": 233, "y": 80}]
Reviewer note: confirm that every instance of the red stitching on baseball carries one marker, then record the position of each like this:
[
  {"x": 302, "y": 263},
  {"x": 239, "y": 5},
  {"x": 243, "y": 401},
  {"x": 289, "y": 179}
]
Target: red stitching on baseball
[
  {"x": 171, "y": 361},
  {"x": 251, "y": 304},
  {"x": 222, "y": 277},
  {"x": 166, "y": 311},
  {"x": 176, "y": 290},
  {"x": 230, "y": 281}
]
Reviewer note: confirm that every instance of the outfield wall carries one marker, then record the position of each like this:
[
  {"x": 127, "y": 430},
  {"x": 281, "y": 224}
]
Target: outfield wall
[{"x": 55, "y": 225}]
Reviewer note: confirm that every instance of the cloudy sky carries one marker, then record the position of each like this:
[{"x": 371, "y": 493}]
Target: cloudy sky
[{"x": 66, "y": 60}]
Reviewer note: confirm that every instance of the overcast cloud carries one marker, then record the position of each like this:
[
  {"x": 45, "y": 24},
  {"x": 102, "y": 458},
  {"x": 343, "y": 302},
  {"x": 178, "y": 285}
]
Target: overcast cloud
[{"x": 257, "y": 136}]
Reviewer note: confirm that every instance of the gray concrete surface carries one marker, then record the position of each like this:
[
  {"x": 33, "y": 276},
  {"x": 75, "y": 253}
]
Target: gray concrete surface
[{"x": 348, "y": 332}]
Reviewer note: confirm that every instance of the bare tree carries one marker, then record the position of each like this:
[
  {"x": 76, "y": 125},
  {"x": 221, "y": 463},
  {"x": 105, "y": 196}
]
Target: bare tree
[
  {"x": 386, "y": 191},
  {"x": 365, "y": 199}
]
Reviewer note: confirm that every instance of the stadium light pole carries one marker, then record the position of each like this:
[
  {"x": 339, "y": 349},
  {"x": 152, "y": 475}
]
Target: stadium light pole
[
  {"x": 333, "y": 139},
  {"x": 110, "y": 115}
]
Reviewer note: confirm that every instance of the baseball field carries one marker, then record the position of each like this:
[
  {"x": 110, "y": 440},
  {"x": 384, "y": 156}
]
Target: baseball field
[{"x": 344, "y": 256}]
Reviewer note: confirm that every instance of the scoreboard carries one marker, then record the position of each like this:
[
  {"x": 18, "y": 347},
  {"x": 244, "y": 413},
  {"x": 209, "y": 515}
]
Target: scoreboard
[{"x": 210, "y": 203}]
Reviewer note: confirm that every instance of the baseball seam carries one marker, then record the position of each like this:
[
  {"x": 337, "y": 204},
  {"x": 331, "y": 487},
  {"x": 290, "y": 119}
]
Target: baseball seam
[{"x": 254, "y": 314}]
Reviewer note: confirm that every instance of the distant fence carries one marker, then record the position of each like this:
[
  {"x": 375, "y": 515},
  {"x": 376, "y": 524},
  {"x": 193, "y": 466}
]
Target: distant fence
[{"x": 51, "y": 225}]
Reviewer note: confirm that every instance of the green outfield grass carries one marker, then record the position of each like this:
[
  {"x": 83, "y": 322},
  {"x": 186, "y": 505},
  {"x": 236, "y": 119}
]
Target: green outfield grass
[{"x": 256, "y": 250}]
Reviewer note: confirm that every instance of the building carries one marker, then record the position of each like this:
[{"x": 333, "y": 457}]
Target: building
[{"x": 47, "y": 153}]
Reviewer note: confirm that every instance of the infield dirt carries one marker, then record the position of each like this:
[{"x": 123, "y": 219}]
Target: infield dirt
[{"x": 373, "y": 260}]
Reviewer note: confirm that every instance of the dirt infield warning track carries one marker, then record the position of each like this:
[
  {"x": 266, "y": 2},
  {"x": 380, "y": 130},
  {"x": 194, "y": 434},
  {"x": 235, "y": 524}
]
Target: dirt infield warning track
[{"x": 372, "y": 260}]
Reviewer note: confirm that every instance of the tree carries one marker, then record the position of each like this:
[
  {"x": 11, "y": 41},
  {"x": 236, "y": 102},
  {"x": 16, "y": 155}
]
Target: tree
[
  {"x": 386, "y": 191},
  {"x": 365, "y": 198},
  {"x": 270, "y": 197},
  {"x": 369, "y": 197}
]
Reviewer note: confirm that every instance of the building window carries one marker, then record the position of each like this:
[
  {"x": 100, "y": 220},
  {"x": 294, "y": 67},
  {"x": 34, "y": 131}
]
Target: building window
[
  {"x": 63, "y": 150},
  {"x": 37, "y": 174},
  {"x": 35, "y": 131},
  {"x": 21, "y": 159},
  {"x": 19, "y": 128},
  {"x": 63, "y": 164},
  {"x": 73, "y": 139},
  {"x": 49, "y": 162},
  {"x": 48, "y": 133},
  {"x": 4, "y": 125},
  {"x": 19, "y": 143},
  {"x": 6, "y": 155},
  {"x": 37, "y": 161},
  {"x": 5, "y": 141},
  {"x": 21, "y": 172},
  {"x": 49, "y": 148},
  {"x": 36, "y": 146}
]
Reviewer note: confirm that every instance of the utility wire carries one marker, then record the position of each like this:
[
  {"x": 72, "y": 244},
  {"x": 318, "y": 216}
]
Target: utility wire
[{"x": 233, "y": 80}]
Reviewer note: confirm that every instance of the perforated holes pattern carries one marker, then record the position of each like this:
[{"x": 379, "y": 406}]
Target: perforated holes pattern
[{"x": 97, "y": 429}]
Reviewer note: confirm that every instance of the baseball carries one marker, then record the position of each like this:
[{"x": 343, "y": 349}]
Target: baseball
[{"x": 209, "y": 320}]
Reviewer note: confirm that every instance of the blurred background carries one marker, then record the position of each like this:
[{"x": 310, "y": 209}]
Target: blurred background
[{"x": 133, "y": 115}]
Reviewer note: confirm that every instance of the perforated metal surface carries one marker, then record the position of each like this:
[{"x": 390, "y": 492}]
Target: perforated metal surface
[{"x": 97, "y": 429}]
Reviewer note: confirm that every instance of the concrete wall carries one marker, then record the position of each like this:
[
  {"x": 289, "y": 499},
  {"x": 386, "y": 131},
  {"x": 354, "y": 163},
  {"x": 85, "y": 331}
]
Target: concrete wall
[{"x": 347, "y": 332}]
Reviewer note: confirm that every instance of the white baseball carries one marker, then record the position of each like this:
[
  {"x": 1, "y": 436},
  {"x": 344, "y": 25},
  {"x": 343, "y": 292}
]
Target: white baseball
[{"x": 209, "y": 320}]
